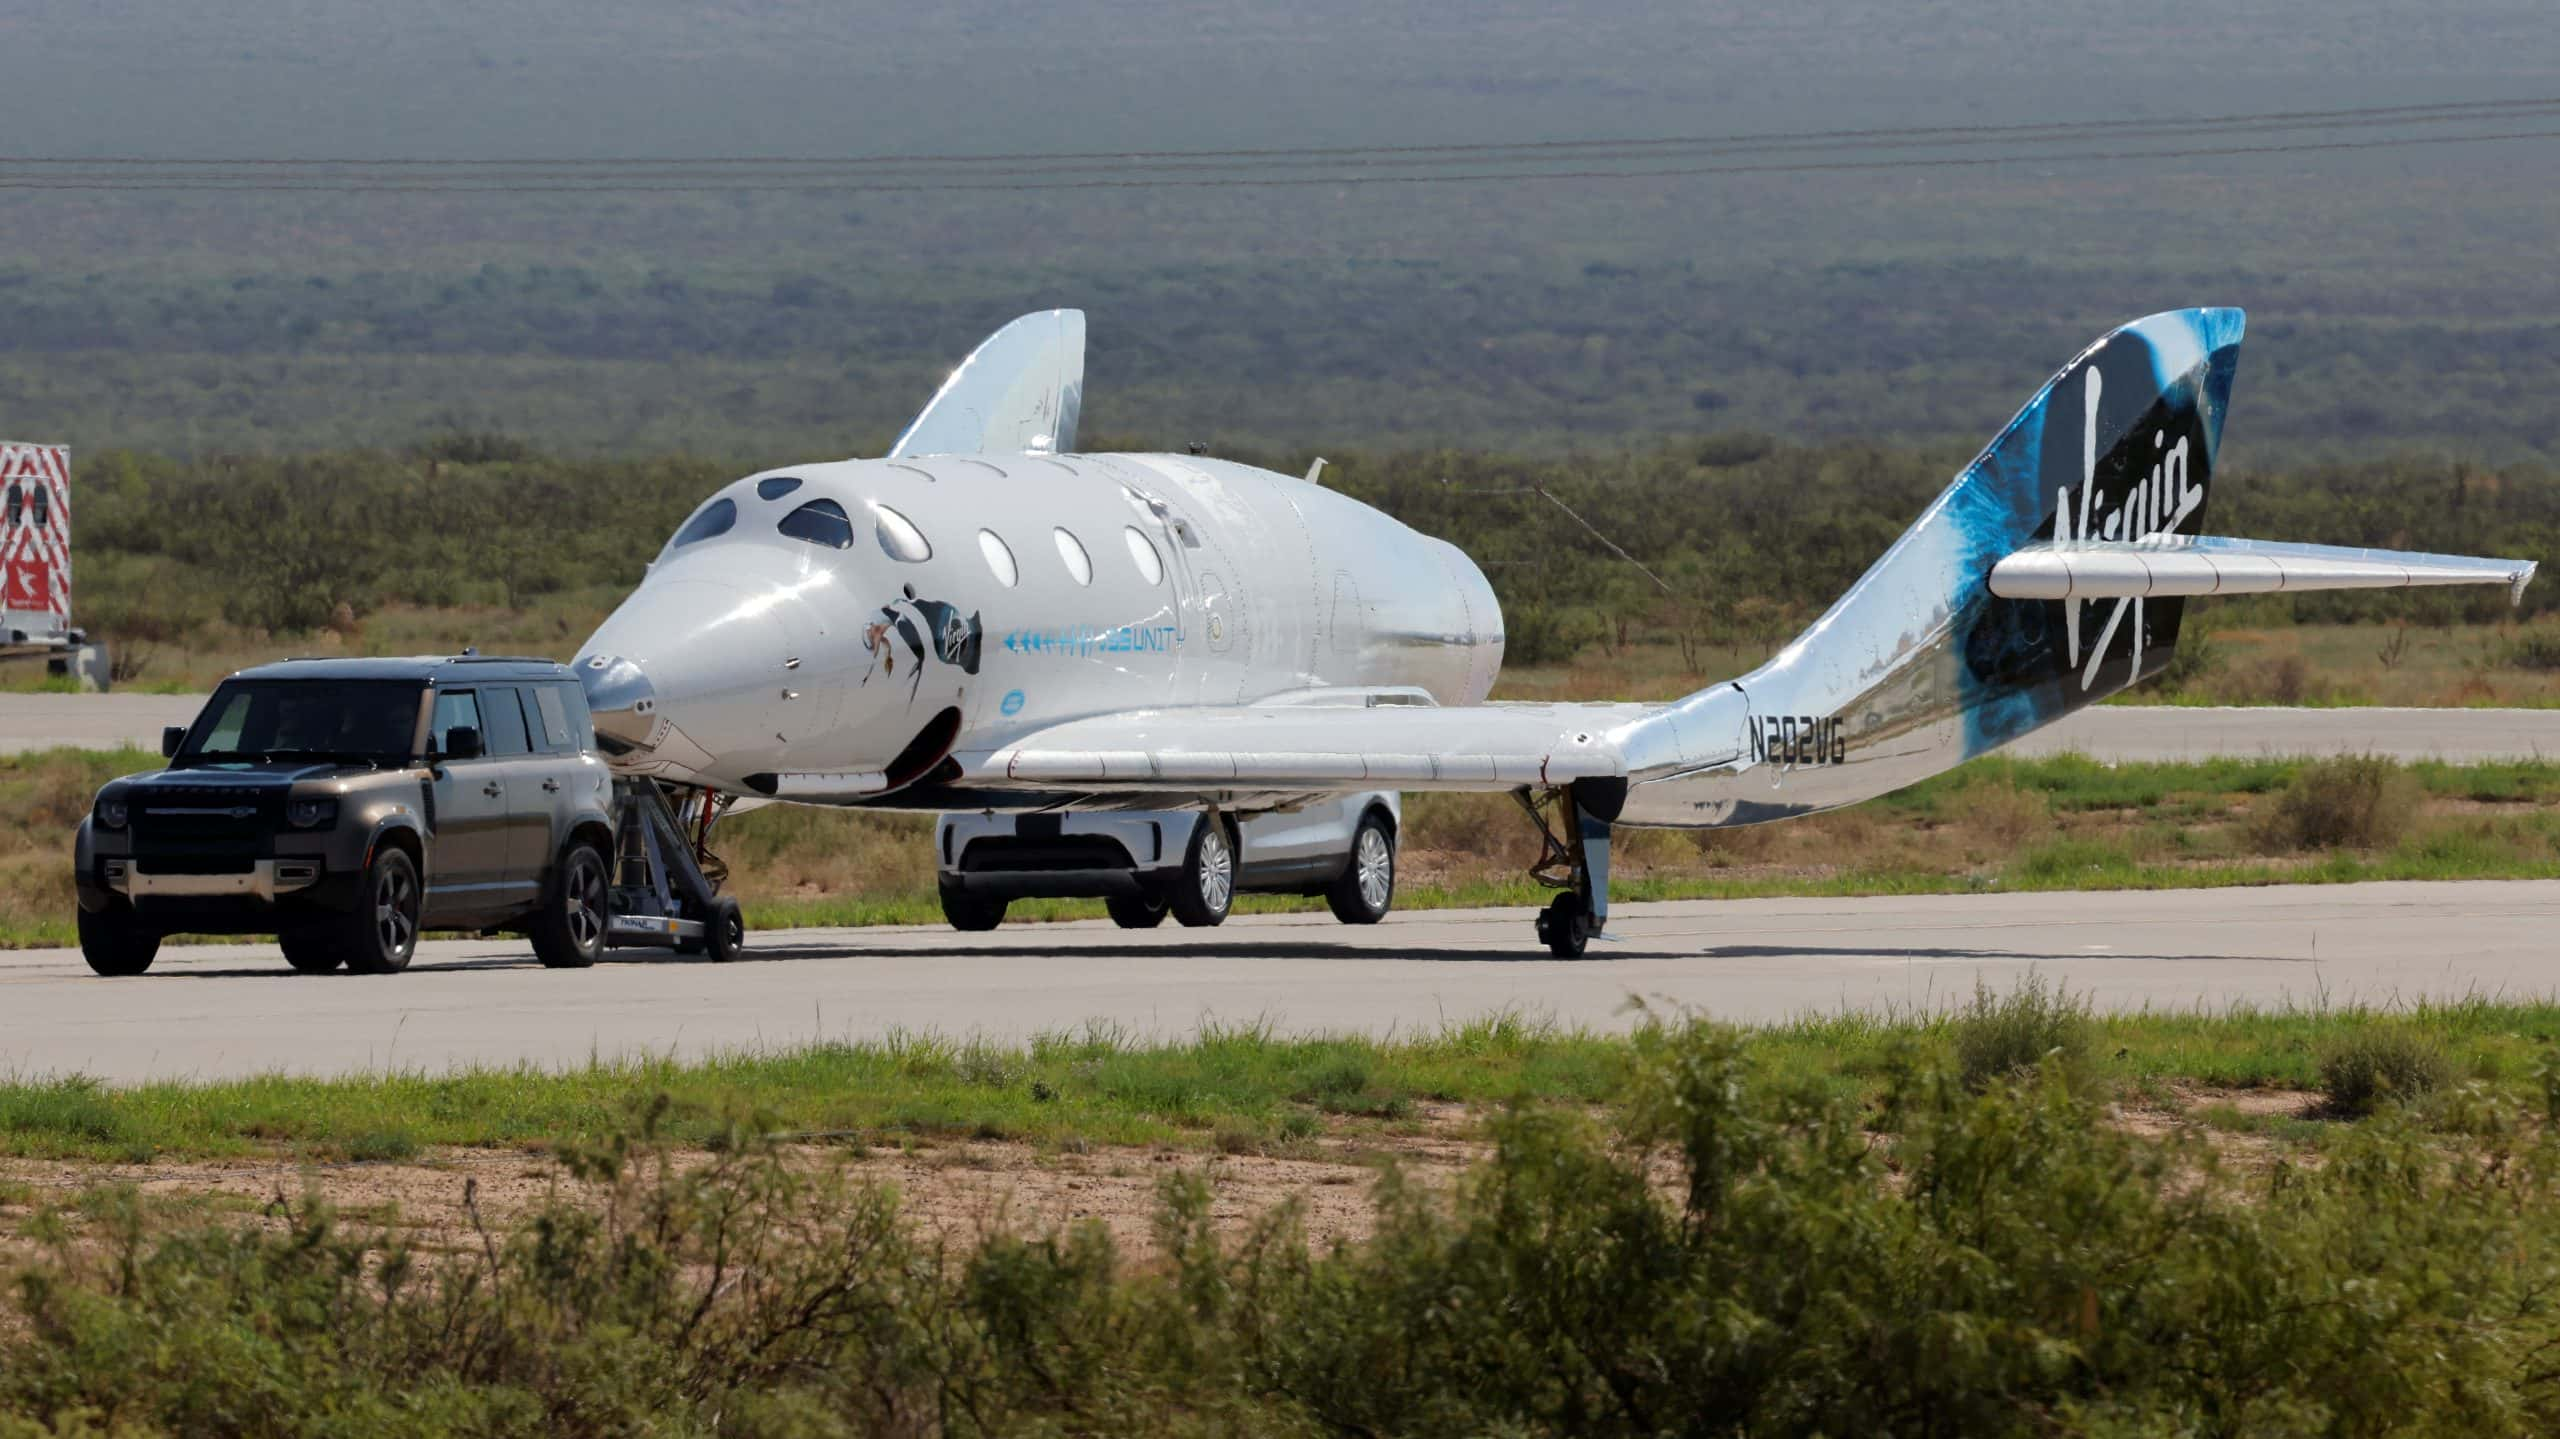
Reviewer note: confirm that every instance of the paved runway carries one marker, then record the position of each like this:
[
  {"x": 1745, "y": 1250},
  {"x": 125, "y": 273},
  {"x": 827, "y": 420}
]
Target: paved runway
[
  {"x": 225, "y": 1011},
  {"x": 2107, "y": 732},
  {"x": 2139, "y": 733},
  {"x": 108, "y": 721}
]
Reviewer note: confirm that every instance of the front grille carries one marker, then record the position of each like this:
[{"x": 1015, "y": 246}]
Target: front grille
[{"x": 205, "y": 822}]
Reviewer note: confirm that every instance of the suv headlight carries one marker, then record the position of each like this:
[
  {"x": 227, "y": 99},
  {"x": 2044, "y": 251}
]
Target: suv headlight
[
  {"x": 311, "y": 813},
  {"x": 112, "y": 811}
]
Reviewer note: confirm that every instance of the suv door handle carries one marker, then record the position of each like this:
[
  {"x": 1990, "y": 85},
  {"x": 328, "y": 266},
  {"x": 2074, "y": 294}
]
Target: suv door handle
[
  {"x": 551, "y": 786},
  {"x": 492, "y": 789}
]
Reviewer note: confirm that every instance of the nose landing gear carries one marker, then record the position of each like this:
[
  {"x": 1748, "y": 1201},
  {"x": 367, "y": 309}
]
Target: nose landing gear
[
  {"x": 1576, "y": 863},
  {"x": 666, "y": 888}
]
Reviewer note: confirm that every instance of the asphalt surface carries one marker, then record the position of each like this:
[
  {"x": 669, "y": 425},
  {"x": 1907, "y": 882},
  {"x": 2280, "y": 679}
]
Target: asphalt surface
[
  {"x": 234, "y": 1010},
  {"x": 2106, "y": 732},
  {"x": 108, "y": 721},
  {"x": 2140, "y": 733}
]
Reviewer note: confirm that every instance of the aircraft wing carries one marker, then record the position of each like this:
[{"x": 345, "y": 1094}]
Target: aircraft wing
[
  {"x": 2210, "y": 565},
  {"x": 1020, "y": 391},
  {"x": 1317, "y": 747}
]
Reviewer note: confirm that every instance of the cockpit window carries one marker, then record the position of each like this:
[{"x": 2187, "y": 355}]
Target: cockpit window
[
  {"x": 820, "y": 522},
  {"x": 776, "y": 486},
  {"x": 900, "y": 538},
  {"x": 714, "y": 518}
]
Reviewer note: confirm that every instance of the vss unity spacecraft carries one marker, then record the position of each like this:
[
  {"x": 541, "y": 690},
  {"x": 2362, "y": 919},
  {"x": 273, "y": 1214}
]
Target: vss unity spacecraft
[{"x": 985, "y": 619}]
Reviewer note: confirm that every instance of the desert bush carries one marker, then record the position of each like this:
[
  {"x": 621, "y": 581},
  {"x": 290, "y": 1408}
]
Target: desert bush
[
  {"x": 2196, "y": 660},
  {"x": 2000, "y": 1037},
  {"x": 1735, "y": 1257},
  {"x": 2353, "y": 802},
  {"x": 2535, "y": 647},
  {"x": 2367, "y": 1065}
]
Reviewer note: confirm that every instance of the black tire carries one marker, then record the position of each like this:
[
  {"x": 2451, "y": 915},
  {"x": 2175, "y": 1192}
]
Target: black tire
[
  {"x": 380, "y": 936},
  {"x": 569, "y": 930},
  {"x": 1136, "y": 911},
  {"x": 724, "y": 935},
  {"x": 1366, "y": 888},
  {"x": 310, "y": 950},
  {"x": 970, "y": 913},
  {"x": 116, "y": 943},
  {"x": 1205, "y": 889},
  {"x": 1564, "y": 927}
]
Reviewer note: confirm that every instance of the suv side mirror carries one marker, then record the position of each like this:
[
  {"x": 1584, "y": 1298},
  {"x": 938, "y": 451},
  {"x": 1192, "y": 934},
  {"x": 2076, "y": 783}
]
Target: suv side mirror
[
  {"x": 461, "y": 742},
  {"x": 171, "y": 738}
]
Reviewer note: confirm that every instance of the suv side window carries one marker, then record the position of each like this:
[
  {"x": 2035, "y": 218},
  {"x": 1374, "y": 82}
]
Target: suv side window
[
  {"x": 504, "y": 716},
  {"x": 454, "y": 709},
  {"x": 557, "y": 736}
]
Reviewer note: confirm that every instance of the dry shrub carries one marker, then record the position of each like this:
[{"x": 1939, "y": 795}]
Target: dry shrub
[
  {"x": 2283, "y": 680},
  {"x": 785, "y": 848},
  {"x": 2001, "y": 815},
  {"x": 2373, "y": 1063},
  {"x": 1488, "y": 829},
  {"x": 2353, "y": 802},
  {"x": 2005, "y": 1037},
  {"x": 2535, "y": 648}
]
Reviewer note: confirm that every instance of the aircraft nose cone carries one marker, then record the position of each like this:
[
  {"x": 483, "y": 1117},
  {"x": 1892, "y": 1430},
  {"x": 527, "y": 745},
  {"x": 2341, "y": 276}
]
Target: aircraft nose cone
[
  {"x": 686, "y": 676},
  {"x": 624, "y": 703}
]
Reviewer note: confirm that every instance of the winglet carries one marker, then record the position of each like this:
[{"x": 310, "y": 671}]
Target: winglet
[{"x": 1021, "y": 391}]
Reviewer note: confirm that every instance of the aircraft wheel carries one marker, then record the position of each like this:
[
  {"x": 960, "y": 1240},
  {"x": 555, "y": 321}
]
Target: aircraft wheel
[
  {"x": 115, "y": 943},
  {"x": 1206, "y": 888},
  {"x": 1564, "y": 926},
  {"x": 1135, "y": 911},
  {"x": 1367, "y": 885},
  {"x": 970, "y": 913},
  {"x": 724, "y": 935}
]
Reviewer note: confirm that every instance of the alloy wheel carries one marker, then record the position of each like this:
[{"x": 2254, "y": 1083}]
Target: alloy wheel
[
  {"x": 395, "y": 903},
  {"x": 1376, "y": 865}
]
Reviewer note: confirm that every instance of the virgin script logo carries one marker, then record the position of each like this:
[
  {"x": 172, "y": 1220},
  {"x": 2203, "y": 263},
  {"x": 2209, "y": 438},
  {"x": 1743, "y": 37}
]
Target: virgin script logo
[{"x": 2153, "y": 509}]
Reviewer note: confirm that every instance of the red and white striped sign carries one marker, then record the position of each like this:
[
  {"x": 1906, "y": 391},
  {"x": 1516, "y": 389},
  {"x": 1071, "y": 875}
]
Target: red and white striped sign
[{"x": 35, "y": 538}]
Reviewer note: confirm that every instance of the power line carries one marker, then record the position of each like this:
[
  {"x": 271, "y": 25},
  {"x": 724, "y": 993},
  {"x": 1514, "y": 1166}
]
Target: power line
[
  {"x": 781, "y": 174},
  {"x": 2443, "y": 112},
  {"x": 1196, "y": 169}
]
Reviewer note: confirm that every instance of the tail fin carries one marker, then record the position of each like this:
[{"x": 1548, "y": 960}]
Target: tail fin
[
  {"x": 2118, "y": 446},
  {"x": 1021, "y": 390},
  {"x": 2051, "y": 574}
]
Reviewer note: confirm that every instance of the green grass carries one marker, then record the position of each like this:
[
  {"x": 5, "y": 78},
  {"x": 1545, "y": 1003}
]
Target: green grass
[{"x": 1228, "y": 1088}]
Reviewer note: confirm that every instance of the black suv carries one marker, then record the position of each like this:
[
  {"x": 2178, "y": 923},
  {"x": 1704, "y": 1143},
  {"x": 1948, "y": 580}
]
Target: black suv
[{"x": 344, "y": 805}]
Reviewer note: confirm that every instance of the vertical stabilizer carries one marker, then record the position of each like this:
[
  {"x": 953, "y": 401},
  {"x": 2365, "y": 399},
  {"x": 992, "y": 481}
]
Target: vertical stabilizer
[{"x": 1021, "y": 391}]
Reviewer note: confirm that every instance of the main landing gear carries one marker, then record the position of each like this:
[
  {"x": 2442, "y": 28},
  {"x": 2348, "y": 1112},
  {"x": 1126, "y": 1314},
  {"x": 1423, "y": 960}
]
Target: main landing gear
[{"x": 1576, "y": 863}]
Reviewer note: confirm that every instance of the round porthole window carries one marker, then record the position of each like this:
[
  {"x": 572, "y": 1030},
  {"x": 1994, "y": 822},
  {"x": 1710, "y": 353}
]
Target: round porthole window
[
  {"x": 1071, "y": 554},
  {"x": 899, "y": 537},
  {"x": 1142, "y": 553},
  {"x": 999, "y": 559}
]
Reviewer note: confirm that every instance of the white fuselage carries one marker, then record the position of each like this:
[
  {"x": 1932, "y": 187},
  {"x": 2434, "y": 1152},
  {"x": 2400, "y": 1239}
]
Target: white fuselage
[{"x": 844, "y": 664}]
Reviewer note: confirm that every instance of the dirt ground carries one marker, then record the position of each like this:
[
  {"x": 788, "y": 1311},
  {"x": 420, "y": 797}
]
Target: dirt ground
[
  {"x": 964, "y": 1189},
  {"x": 960, "y": 1189}
]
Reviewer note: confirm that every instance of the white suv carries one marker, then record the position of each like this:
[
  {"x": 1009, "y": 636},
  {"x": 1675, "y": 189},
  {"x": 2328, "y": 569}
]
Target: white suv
[{"x": 1146, "y": 864}]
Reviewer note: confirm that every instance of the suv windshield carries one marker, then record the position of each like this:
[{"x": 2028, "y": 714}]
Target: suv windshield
[{"x": 356, "y": 721}]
